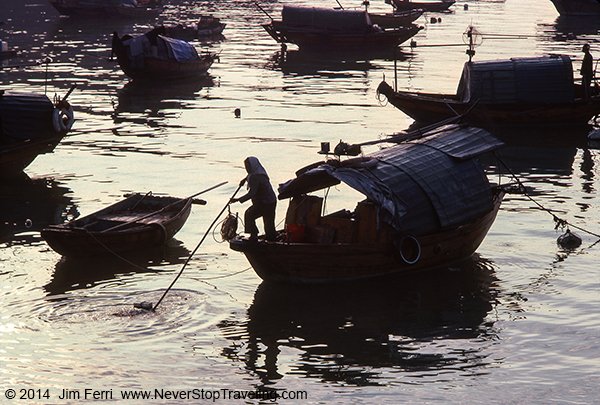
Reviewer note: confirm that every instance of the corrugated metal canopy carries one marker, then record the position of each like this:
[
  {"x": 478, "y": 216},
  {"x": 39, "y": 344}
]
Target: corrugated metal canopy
[
  {"x": 326, "y": 18},
  {"x": 419, "y": 186},
  {"x": 543, "y": 79}
]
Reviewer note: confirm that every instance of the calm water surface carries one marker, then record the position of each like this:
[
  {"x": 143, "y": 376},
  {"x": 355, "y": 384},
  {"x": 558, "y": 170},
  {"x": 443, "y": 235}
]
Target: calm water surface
[{"x": 517, "y": 324}]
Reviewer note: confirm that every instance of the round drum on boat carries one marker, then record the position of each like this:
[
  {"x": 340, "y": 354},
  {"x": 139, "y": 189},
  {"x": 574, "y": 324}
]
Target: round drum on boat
[{"x": 409, "y": 249}]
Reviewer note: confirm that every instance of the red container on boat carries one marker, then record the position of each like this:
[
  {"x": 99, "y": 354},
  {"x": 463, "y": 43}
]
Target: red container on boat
[{"x": 295, "y": 232}]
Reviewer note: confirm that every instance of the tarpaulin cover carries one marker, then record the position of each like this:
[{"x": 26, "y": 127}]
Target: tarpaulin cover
[
  {"x": 545, "y": 79},
  {"x": 180, "y": 50},
  {"x": 25, "y": 116},
  {"x": 326, "y": 18},
  {"x": 165, "y": 48},
  {"x": 419, "y": 186}
]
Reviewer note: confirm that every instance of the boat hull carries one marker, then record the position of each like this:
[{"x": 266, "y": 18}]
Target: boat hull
[
  {"x": 577, "y": 7},
  {"x": 429, "y": 108},
  {"x": 320, "y": 40},
  {"x": 103, "y": 8},
  {"x": 395, "y": 20},
  {"x": 92, "y": 235},
  {"x": 15, "y": 158},
  {"x": 158, "y": 70},
  {"x": 329, "y": 263},
  {"x": 403, "y": 5}
]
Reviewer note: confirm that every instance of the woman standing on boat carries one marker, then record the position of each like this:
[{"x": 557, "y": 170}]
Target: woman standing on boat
[
  {"x": 263, "y": 199},
  {"x": 587, "y": 71}
]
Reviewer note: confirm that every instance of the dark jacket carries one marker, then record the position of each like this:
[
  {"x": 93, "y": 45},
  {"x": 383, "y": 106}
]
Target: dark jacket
[{"x": 259, "y": 185}]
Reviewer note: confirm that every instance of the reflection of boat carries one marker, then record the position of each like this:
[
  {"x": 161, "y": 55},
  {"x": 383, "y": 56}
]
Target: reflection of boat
[
  {"x": 518, "y": 91},
  {"x": 71, "y": 274},
  {"x": 155, "y": 57},
  {"x": 138, "y": 97},
  {"x": 27, "y": 205},
  {"x": 428, "y": 204},
  {"x": 577, "y": 7},
  {"x": 135, "y": 223},
  {"x": 5, "y": 52},
  {"x": 307, "y": 63},
  {"x": 111, "y": 8},
  {"x": 207, "y": 26},
  {"x": 30, "y": 125},
  {"x": 355, "y": 333},
  {"x": 324, "y": 29},
  {"x": 426, "y": 5},
  {"x": 395, "y": 19}
]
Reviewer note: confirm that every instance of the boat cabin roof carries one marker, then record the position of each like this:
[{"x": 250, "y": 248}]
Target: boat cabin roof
[
  {"x": 419, "y": 186},
  {"x": 25, "y": 116},
  {"x": 166, "y": 48},
  {"x": 544, "y": 79},
  {"x": 326, "y": 18}
]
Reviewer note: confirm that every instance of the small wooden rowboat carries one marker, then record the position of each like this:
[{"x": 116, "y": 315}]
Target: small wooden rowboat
[{"x": 137, "y": 222}]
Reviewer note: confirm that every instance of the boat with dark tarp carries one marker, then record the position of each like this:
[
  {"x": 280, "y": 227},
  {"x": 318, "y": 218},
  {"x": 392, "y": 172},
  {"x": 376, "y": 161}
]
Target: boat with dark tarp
[
  {"x": 531, "y": 91},
  {"x": 428, "y": 204},
  {"x": 312, "y": 28},
  {"x": 140, "y": 221},
  {"x": 156, "y": 57},
  {"x": 30, "y": 125}
]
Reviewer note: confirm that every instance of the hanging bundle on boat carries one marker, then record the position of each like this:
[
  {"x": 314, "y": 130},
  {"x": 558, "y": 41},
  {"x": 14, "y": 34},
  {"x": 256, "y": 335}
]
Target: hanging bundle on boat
[{"x": 229, "y": 227}]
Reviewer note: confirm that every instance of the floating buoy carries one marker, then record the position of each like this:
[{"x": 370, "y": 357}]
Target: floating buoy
[
  {"x": 433, "y": 20},
  {"x": 237, "y": 112},
  {"x": 568, "y": 240},
  {"x": 145, "y": 305},
  {"x": 439, "y": 19},
  {"x": 28, "y": 223}
]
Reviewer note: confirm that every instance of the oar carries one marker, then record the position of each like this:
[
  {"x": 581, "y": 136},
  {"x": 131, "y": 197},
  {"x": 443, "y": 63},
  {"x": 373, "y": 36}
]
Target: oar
[
  {"x": 161, "y": 210},
  {"x": 148, "y": 305},
  {"x": 263, "y": 10}
]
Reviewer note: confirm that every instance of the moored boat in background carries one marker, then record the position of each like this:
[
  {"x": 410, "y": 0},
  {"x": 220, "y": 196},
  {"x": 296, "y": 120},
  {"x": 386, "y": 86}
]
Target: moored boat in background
[
  {"x": 396, "y": 19},
  {"x": 428, "y": 203},
  {"x": 531, "y": 91},
  {"x": 153, "y": 56},
  {"x": 111, "y": 8},
  {"x": 426, "y": 5},
  {"x": 30, "y": 125},
  {"x": 206, "y": 26},
  {"x": 312, "y": 28}
]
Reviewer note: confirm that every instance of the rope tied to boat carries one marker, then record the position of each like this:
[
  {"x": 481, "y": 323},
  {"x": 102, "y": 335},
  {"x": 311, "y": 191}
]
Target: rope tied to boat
[{"x": 558, "y": 222}]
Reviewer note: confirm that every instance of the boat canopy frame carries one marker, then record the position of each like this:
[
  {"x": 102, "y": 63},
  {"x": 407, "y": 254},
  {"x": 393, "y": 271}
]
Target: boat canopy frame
[{"x": 419, "y": 186}]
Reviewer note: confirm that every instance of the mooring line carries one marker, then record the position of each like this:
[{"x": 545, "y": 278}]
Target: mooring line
[{"x": 559, "y": 221}]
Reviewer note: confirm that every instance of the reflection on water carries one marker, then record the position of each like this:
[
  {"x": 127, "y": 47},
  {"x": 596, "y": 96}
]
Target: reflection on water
[
  {"x": 332, "y": 65},
  {"x": 150, "y": 104},
  {"x": 72, "y": 274},
  {"x": 440, "y": 321},
  {"x": 27, "y": 205}
]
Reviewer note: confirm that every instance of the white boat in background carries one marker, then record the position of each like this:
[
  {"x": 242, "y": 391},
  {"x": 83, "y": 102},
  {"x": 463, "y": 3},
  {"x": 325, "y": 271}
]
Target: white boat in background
[{"x": 577, "y": 7}]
